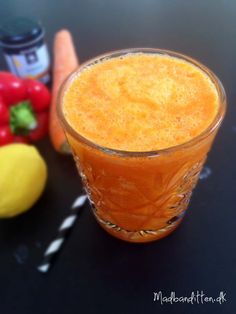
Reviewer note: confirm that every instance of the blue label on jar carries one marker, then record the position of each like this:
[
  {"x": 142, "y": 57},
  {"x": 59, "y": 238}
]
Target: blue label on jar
[{"x": 32, "y": 62}]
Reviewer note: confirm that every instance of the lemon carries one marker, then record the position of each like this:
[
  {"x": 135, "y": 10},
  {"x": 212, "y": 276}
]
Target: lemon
[{"x": 23, "y": 175}]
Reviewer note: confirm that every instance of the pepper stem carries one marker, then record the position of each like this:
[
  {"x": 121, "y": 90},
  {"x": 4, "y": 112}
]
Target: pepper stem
[{"x": 22, "y": 118}]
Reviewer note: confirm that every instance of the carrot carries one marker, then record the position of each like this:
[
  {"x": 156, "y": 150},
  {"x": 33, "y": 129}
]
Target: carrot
[{"x": 65, "y": 61}]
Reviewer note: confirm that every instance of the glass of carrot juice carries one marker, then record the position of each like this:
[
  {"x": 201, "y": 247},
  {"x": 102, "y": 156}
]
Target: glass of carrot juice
[{"x": 140, "y": 123}]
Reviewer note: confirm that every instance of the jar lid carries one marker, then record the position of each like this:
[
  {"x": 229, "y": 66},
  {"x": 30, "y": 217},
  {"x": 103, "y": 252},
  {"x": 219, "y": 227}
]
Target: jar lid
[{"x": 19, "y": 31}]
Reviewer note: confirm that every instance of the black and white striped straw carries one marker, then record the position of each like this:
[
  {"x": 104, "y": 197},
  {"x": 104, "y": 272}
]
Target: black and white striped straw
[{"x": 63, "y": 232}]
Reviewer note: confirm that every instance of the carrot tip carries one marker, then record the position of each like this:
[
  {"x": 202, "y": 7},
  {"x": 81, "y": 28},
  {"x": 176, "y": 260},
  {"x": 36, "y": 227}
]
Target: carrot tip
[{"x": 65, "y": 148}]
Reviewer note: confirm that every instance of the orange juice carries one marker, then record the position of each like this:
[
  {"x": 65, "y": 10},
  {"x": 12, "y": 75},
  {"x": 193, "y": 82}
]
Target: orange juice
[{"x": 140, "y": 125}]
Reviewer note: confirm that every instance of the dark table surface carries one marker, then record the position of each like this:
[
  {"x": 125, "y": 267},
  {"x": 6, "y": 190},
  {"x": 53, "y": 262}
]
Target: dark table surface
[{"x": 96, "y": 273}]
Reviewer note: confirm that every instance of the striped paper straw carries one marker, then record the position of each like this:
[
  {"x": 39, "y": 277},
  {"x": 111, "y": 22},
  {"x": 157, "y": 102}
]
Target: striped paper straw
[{"x": 63, "y": 231}]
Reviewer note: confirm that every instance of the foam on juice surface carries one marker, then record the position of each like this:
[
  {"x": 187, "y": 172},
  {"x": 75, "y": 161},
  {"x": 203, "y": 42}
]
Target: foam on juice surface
[{"x": 141, "y": 102}]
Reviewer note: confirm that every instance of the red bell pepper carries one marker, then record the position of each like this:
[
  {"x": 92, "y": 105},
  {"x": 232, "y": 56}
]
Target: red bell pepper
[{"x": 23, "y": 109}]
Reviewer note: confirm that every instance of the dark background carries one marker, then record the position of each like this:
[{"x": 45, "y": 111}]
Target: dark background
[{"x": 96, "y": 273}]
